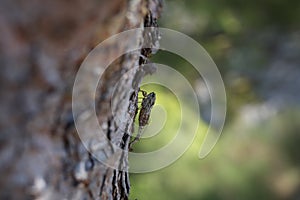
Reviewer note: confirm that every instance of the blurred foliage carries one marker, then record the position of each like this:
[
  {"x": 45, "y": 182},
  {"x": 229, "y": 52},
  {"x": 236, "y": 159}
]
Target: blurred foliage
[{"x": 257, "y": 156}]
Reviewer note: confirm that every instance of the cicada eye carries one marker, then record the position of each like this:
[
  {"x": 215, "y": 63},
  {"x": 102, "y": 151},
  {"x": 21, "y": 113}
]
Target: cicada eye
[{"x": 152, "y": 95}]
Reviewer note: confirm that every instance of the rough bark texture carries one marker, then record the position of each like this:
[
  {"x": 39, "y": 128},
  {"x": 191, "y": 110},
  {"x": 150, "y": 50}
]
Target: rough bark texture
[{"x": 42, "y": 44}]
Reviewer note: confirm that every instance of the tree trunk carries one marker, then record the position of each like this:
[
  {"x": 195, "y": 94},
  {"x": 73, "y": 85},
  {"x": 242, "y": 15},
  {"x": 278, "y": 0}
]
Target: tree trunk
[{"x": 42, "y": 45}]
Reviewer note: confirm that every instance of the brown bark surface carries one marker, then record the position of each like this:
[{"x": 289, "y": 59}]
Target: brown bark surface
[{"x": 42, "y": 44}]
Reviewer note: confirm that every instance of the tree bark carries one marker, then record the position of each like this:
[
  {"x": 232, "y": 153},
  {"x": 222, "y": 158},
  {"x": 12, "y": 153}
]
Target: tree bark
[{"x": 42, "y": 44}]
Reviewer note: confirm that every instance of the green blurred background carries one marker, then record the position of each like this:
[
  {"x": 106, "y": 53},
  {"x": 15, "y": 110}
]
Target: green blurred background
[{"x": 256, "y": 46}]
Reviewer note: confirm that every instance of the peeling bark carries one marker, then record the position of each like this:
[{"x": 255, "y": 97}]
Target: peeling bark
[{"x": 42, "y": 45}]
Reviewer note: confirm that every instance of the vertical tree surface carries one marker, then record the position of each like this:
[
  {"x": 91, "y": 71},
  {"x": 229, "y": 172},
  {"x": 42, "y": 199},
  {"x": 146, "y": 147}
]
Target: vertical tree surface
[{"x": 42, "y": 44}]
